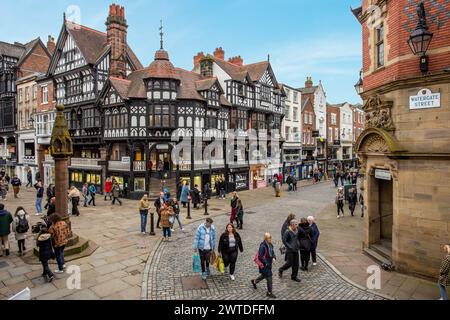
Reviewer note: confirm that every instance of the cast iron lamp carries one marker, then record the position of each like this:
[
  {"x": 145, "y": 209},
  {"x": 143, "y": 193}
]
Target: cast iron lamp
[{"x": 420, "y": 39}]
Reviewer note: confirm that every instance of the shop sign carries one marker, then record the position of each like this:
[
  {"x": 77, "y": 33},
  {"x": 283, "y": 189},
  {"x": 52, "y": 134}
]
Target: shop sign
[
  {"x": 162, "y": 146},
  {"x": 383, "y": 174},
  {"x": 126, "y": 160},
  {"x": 425, "y": 99}
]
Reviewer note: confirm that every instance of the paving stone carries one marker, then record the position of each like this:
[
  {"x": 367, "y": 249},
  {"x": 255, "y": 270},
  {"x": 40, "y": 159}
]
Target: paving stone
[
  {"x": 110, "y": 287},
  {"x": 56, "y": 295},
  {"x": 84, "y": 294},
  {"x": 46, "y": 288},
  {"x": 109, "y": 268}
]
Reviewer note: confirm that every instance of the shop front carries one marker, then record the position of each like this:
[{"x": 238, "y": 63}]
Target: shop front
[
  {"x": 79, "y": 176},
  {"x": 239, "y": 179},
  {"x": 257, "y": 177},
  {"x": 307, "y": 170}
]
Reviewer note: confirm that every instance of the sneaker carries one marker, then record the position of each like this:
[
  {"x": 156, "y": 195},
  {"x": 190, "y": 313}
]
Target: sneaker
[
  {"x": 64, "y": 266},
  {"x": 204, "y": 276},
  {"x": 232, "y": 277},
  {"x": 50, "y": 279},
  {"x": 37, "y": 214},
  {"x": 172, "y": 230},
  {"x": 143, "y": 233},
  {"x": 254, "y": 284},
  {"x": 338, "y": 217},
  {"x": 314, "y": 264},
  {"x": 271, "y": 295},
  {"x": 296, "y": 279},
  {"x": 59, "y": 271}
]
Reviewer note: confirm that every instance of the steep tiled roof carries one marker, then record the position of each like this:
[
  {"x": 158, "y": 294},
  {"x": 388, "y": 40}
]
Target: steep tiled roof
[
  {"x": 205, "y": 84},
  {"x": 93, "y": 43},
  {"x": 11, "y": 50},
  {"x": 161, "y": 67},
  {"x": 308, "y": 90},
  {"x": 256, "y": 70},
  {"x": 121, "y": 85},
  {"x": 28, "y": 47}
]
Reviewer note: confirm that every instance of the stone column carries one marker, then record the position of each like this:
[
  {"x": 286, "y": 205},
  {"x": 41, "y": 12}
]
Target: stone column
[{"x": 61, "y": 188}]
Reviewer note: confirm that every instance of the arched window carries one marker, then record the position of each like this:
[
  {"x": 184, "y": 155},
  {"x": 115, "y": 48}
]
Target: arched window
[
  {"x": 134, "y": 121},
  {"x": 157, "y": 85},
  {"x": 181, "y": 122},
  {"x": 142, "y": 121},
  {"x": 189, "y": 122}
]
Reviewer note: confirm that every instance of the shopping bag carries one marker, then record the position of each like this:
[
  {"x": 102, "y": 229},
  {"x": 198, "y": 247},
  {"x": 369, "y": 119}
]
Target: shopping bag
[
  {"x": 213, "y": 261},
  {"x": 196, "y": 263},
  {"x": 220, "y": 265},
  {"x": 171, "y": 220}
]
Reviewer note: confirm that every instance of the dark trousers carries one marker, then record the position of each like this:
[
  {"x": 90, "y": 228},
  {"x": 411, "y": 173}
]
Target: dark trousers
[
  {"x": 30, "y": 183},
  {"x": 167, "y": 232},
  {"x": 314, "y": 254},
  {"x": 351, "y": 207},
  {"x": 294, "y": 186},
  {"x": 291, "y": 262},
  {"x": 21, "y": 244},
  {"x": 305, "y": 258},
  {"x": 205, "y": 257},
  {"x": 240, "y": 222},
  {"x": 336, "y": 182},
  {"x": 75, "y": 210},
  {"x": 230, "y": 258},
  {"x": 59, "y": 253},
  {"x": 269, "y": 282},
  {"x": 116, "y": 199},
  {"x": 340, "y": 207},
  {"x": 158, "y": 222},
  {"x": 46, "y": 270},
  {"x": 92, "y": 199}
]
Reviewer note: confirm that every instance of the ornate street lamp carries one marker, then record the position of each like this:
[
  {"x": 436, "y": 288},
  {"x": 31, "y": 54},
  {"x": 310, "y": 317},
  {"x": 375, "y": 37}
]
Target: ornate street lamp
[
  {"x": 420, "y": 39},
  {"x": 359, "y": 84}
]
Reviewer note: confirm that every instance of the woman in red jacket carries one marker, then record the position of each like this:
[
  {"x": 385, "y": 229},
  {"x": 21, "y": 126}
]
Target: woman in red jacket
[{"x": 108, "y": 187}]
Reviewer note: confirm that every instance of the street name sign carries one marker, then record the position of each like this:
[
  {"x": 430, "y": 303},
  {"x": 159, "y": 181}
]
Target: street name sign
[
  {"x": 425, "y": 99},
  {"x": 383, "y": 174}
]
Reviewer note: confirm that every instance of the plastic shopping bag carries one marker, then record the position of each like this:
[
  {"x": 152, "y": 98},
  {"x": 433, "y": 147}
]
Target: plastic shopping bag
[
  {"x": 220, "y": 265},
  {"x": 196, "y": 263}
]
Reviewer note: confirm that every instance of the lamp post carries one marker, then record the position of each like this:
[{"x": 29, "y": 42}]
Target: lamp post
[
  {"x": 359, "y": 84},
  {"x": 420, "y": 38}
]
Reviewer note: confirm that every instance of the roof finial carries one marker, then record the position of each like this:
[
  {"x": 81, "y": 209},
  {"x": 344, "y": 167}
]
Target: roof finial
[
  {"x": 268, "y": 57},
  {"x": 64, "y": 17},
  {"x": 161, "y": 33}
]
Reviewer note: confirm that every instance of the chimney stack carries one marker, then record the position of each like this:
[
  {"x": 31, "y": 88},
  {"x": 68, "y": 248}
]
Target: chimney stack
[
  {"x": 117, "y": 38},
  {"x": 237, "y": 61},
  {"x": 219, "y": 53},
  {"x": 198, "y": 58},
  {"x": 51, "y": 46},
  {"x": 309, "y": 82}
]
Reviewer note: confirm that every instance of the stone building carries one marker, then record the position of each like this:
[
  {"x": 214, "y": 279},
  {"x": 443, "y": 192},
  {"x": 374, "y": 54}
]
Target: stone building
[{"x": 405, "y": 147}]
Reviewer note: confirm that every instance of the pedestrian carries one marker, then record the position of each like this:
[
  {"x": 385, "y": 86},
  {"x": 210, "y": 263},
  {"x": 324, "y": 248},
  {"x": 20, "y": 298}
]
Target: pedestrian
[
  {"x": 205, "y": 242},
  {"x": 108, "y": 187},
  {"x": 144, "y": 207},
  {"x": 336, "y": 176},
  {"x": 444, "y": 273},
  {"x": 74, "y": 196},
  {"x": 294, "y": 183},
  {"x": 50, "y": 194},
  {"x": 20, "y": 226},
  {"x": 158, "y": 206},
  {"x": 289, "y": 183},
  {"x": 352, "y": 200},
  {"x": 223, "y": 188},
  {"x": 51, "y": 209},
  {"x": 361, "y": 203},
  {"x": 29, "y": 178},
  {"x": 16, "y": 184},
  {"x": 85, "y": 192},
  {"x": 39, "y": 195},
  {"x": 234, "y": 204},
  {"x": 291, "y": 243},
  {"x": 179, "y": 189},
  {"x": 184, "y": 198},
  {"x": 92, "y": 191},
  {"x": 207, "y": 191},
  {"x": 176, "y": 211},
  {"x": 60, "y": 233},
  {"x": 276, "y": 186},
  {"x": 240, "y": 215},
  {"x": 167, "y": 215},
  {"x": 5, "y": 229},
  {"x": 340, "y": 202},
  {"x": 315, "y": 233},
  {"x": 116, "y": 193},
  {"x": 196, "y": 197},
  {"x": 230, "y": 243},
  {"x": 160, "y": 169},
  {"x": 287, "y": 223},
  {"x": 3, "y": 189},
  {"x": 44, "y": 243},
  {"x": 217, "y": 188},
  {"x": 342, "y": 177},
  {"x": 304, "y": 239},
  {"x": 354, "y": 178},
  {"x": 266, "y": 257}
]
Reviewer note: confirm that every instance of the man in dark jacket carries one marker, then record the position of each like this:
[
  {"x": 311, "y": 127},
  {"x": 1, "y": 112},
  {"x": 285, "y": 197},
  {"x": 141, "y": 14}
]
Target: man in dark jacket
[
  {"x": 39, "y": 195},
  {"x": 292, "y": 246},
  {"x": 158, "y": 204},
  {"x": 352, "y": 200},
  {"x": 5, "y": 229},
  {"x": 16, "y": 183}
]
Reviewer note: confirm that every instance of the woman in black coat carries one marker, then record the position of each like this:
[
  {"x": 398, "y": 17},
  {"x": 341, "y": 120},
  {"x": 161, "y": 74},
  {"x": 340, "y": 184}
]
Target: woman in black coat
[
  {"x": 352, "y": 200},
  {"x": 44, "y": 243},
  {"x": 304, "y": 237},
  {"x": 229, "y": 244}
]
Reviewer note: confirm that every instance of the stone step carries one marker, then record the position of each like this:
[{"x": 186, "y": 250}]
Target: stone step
[
  {"x": 382, "y": 250},
  {"x": 382, "y": 261}
]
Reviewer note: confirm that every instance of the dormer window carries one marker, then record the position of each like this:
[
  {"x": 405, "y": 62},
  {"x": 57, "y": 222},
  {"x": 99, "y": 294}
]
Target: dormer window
[{"x": 161, "y": 90}]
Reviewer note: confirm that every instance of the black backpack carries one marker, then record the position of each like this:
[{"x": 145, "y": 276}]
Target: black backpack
[{"x": 23, "y": 225}]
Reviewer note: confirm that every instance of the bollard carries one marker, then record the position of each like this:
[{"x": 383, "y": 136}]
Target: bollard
[
  {"x": 206, "y": 207},
  {"x": 189, "y": 211},
  {"x": 152, "y": 223}
]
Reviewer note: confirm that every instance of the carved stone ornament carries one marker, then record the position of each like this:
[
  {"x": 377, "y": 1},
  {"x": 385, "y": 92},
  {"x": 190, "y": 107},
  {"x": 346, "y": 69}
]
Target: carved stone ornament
[
  {"x": 375, "y": 144},
  {"x": 61, "y": 145},
  {"x": 378, "y": 114}
]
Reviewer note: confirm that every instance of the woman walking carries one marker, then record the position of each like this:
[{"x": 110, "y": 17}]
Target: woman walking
[
  {"x": 240, "y": 215},
  {"x": 315, "y": 233},
  {"x": 44, "y": 243},
  {"x": 166, "y": 214},
  {"x": 184, "y": 198},
  {"x": 304, "y": 239},
  {"x": 21, "y": 225},
  {"x": 229, "y": 244},
  {"x": 340, "y": 202},
  {"x": 92, "y": 191},
  {"x": 116, "y": 193},
  {"x": 176, "y": 211},
  {"x": 205, "y": 241},
  {"x": 144, "y": 207},
  {"x": 74, "y": 196},
  {"x": 266, "y": 256},
  {"x": 108, "y": 187},
  {"x": 444, "y": 274},
  {"x": 352, "y": 200},
  {"x": 60, "y": 233},
  {"x": 50, "y": 194},
  {"x": 85, "y": 192},
  {"x": 3, "y": 190},
  {"x": 234, "y": 204},
  {"x": 39, "y": 195}
]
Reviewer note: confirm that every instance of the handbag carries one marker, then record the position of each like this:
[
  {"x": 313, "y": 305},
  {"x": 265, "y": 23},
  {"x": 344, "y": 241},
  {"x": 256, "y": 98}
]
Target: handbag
[
  {"x": 283, "y": 250},
  {"x": 196, "y": 263}
]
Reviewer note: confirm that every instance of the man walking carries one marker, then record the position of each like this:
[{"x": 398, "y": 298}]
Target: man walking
[
  {"x": 92, "y": 192},
  {"x": 205, "y": 241},
  {"x": 291, "y": 243},
  {"x": 39, "y": 196},
  {"x": 116, "y": 193},
  {"x": 29, "y": 178},
  {"x": 16, "y": 183},
  {"x": 5, "y": 229}
]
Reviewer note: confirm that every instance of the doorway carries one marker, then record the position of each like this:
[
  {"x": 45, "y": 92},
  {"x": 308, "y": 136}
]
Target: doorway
[
  {"x": 161, "y": 163},
  {"x": 386, "y": 211}
]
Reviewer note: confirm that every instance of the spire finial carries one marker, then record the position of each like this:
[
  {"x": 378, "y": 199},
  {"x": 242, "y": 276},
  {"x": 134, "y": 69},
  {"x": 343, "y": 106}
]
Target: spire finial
[
  {"x": 268, "y": 57},
  {"x": 161, "y": 33},
  {"x": 64, "y": 17}
]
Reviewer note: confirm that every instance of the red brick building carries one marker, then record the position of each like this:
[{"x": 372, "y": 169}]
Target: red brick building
[
  {"x": 333, "y": 135},
  {"x": 308, "y": 141}
]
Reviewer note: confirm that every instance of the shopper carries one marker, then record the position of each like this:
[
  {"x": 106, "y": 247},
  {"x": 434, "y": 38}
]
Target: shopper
[
  {"x": 240, "y": 215},
  {"x": 352, "y": 200},
  {"x": 196, "y": 197},
  {"x": 444, "y": 273},
  {"x": 176, "y": 211},
  {"x": 144, "y": 207},
  {"x": 51, "y": 192},
  {"x": 205, "y": 241},
  {"x": 60, "y": 233},
  {"x": 234, "y": 204},
  {"x": 265, "y": 258},
  {"x": 44, "y": 243},
  {"x": 92, "y": 191},
  {"x": 21, "y": 225},
  {"x": 116, "y": 193},
  {"x": 16, "y": 184},
  {"x": 108, "y": 187},
  {"x": 39, "y": 195},
  {"x": 74, "y": 196},
  {"x": 229, "y": 244},
  {"x": 315, "y": 233},
  {"x": 304, "y": 239},
  {"x": 29, "y": 178},
  {"x": 184, "y": 198},
  {"x": 340, "y": 202},
  {"x": 291, "y": 243},
  {"x": 5, "y": 229},
  {"x": 158, "y": 206}
]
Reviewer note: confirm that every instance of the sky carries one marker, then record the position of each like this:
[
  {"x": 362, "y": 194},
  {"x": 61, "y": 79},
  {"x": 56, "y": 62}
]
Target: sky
[{"x": 317, "y": 38}]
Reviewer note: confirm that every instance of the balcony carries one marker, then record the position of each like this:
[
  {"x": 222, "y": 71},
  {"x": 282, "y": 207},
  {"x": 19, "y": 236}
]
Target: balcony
[
  {"x": 118, "y": 166},
  {"x": 29, "y": 160},
  {"x": 139, "y": 166},
  {"x": 85, "y": 163}
]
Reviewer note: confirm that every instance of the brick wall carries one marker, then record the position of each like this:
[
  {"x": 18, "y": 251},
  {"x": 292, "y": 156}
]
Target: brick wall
[{"x": 37, "y": 61}]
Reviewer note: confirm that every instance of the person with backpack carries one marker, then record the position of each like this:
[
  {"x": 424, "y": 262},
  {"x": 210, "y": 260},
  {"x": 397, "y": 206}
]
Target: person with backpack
[
  {"x": 92, "y": 191},
  {"x": 39, "y": 195},
  {"x": 304, "y": 240},
  {"x": 291, "y": 243},
  {"x": 230, "y": 244},
  {"x": 46, "y": 253},
  {"x": 5, "y": 229},
  {"x": 264, "y": 259},
  {"x": 205, "y": 242},
  {"x": 21, "y": 225},
  {"x": 16, "y": 183},
  {"x": 60, "y": 233},
  {"x": 116, "y": 193}
]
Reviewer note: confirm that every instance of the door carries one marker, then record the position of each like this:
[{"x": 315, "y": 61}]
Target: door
[{"x": 386, "y": 209}]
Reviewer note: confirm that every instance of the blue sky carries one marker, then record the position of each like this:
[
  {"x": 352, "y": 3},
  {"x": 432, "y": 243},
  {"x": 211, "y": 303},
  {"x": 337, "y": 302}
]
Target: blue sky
[{"x": 318, "y": 38}]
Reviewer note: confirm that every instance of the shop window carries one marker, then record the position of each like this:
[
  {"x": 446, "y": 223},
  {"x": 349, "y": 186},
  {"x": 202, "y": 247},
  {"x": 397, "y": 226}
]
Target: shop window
[
  {"x": 139, "y": 184},
  {"x": 94, "y": 179},
  {"x": 77, "y": 177}
]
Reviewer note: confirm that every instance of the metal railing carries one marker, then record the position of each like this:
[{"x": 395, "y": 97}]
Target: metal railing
[
  {"x": 139, "y": 166},
  {"x": 84, "y": 163},
  {"x": 118, "y": 166}
]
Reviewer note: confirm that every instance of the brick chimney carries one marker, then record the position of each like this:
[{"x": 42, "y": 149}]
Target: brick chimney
[
  {"x": 238, "y": 61},
  {"x": 117, "y": 38},
  {"x": 51, "y": 46},
  {"x": 197, "y": 58},
  {"x": 219, "y": 53},
  {"x": 308, "y": 82}
]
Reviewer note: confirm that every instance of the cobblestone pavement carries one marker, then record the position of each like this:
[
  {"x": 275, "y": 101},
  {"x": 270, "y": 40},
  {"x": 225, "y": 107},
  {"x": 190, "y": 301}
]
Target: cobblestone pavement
[{"x": 172, "y": 261}]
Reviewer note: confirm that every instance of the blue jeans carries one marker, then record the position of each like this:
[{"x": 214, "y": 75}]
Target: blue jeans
[
  {"x": 86, "y": 199},
  {"x": 144, "y": 215},
  {"x": 39, "y": 205},
  {"x": 167, "y": 232},
  {"x": 177, "y": 217},
  {"x": 443, "y": 292},
  {"x": 59, "y": 253}
]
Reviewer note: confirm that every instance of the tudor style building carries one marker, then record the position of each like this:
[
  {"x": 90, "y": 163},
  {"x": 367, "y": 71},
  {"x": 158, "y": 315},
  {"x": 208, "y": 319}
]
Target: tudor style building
[{"x": 82, "y": 62}]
